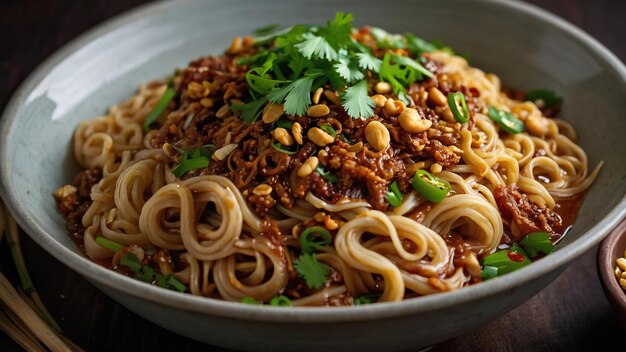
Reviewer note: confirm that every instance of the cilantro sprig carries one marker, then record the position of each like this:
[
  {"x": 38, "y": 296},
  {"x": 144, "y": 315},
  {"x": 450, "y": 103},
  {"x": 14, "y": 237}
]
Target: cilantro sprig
[
  {"x": 313, "y": 272},
  {"x": 292, "y": 62}
]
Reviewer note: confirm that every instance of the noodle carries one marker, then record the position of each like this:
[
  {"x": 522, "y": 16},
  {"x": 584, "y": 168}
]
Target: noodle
[{"x": 232, "y": 228}]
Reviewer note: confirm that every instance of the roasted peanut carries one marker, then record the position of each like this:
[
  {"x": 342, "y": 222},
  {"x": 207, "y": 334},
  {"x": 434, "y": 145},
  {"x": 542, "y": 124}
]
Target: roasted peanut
[
  {"x": 382, "y": 87},
  {"x": 272, "y": 112},
  {"x": 283, "y": 137},
  {"x": 318, "y": 110},
  {"x": 379, "y": 100},
  {"x": 411, "y": 121},
  {"x": 319, "y": 137},
  {"x": 436, "y": 97},
  {"x": 394, "y": 107},
  {"x": 262, "y": 190},
  {"x": 377, "y": 135},
  {"x": 308, "y": 167},
  {"x": 296, "y": 129}
]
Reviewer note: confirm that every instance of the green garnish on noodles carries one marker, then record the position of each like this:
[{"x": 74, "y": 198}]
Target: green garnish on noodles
[
  {"x": 158, "y": 109},
  {"x": 314, "y": 238},
  {"x": 313, "y": 272},
  {"x": 292, "y": 62},
  {"x": 147, "y": 274},
  {"x": 193, "y": 159},
  {"x": 108, "y": 244}
]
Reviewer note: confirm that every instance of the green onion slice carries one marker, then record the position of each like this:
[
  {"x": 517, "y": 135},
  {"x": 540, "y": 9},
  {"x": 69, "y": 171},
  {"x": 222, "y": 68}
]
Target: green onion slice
[
  {"x": 429, "y": 186},
  {"x": 310, "y": 243},
  {"x": 394, "y": 196},
  {"x": 507, "y": 121},
  {"x": 159, "y": 108},
  {"x": 458, "y": 106},
  {"x": 366, "y": 299},
  {"x": 328, "y": 129},
  {"x": 326, "y": 174},
  {"x": 281, "y": 301},
  {"x": 250, "y": 300},
  {"x": 108, "y": 244},
  {"x": 281, "y": 149}
]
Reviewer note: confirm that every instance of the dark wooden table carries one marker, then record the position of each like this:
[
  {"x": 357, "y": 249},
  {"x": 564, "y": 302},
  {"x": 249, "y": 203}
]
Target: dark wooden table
[{"x": 570, "y": 314}]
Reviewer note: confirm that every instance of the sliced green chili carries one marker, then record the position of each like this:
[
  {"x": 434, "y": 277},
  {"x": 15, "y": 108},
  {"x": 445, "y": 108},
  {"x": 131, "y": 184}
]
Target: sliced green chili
[
  {"x": 507, "y": 121},
  {"x": 429, "y": 186},
  {"x": 159, "y": 108},
  {"x": 310, "y": 243},
  {"x": 394, "y": 196},
  {"x": 548, "y": 97},
  {"x": 458, "y": 106}
]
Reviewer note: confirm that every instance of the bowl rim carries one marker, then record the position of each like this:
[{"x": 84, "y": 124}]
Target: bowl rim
[
  {"x": 234, "y": 310},
  {"x": 606, "y": 266}
]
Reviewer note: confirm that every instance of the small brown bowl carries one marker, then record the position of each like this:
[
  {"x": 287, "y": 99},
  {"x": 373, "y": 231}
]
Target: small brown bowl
[{"x": 611, "y": 248}]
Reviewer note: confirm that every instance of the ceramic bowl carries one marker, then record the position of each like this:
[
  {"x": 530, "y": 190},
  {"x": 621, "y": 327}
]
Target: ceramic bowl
[
  {"x": 613, "y": 247},
  {"x": 525, "y": 46}
]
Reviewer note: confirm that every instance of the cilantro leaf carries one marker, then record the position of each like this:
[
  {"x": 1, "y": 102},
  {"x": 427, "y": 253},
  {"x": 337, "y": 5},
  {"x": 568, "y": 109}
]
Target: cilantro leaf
[
  {"x": 418, "y": 46},
  {"x": 536, "y": 242},
  {"x": 368, "y": 61},
  {"x": 326, "y": 174},
  {"x": 348, "y": 70},
  {"x": 251, "y": 110},
  {"x": 313, "y": 272},
  {"x": 265, "y": 30},
  {"x": 356, "y": 101},
  {"x": 318, "y": 47},
  {"x": 297, "y": 95},
  {"x": 338, "y": 31}
]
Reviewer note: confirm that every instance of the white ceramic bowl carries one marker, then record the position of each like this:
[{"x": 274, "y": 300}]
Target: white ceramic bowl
[{"x": 524, "y": 45}]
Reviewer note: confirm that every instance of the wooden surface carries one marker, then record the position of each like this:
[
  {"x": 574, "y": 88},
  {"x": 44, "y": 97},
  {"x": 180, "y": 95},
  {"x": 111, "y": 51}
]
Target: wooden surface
[{"x": 571, "y": 314}]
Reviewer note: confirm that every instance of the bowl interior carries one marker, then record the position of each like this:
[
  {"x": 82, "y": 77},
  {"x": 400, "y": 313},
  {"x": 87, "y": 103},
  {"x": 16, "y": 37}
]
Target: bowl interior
[{"x": 109, "y": 64}]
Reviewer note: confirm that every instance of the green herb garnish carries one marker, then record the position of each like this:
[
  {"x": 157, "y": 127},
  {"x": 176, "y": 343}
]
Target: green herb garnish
[
  {"x": 313, "y": 272},
  {"x": 329, "y": 129},
  {"x": 158, "y": 109},
  {"x": 507, "y": 121},
  {"x": 281, "y": 301},
  {"x": 326, "y": 174},
  {"x": 250, "y": 300},
  {"x": 547, "y": 97},
  {"x": 147, "y": 274},
  {"x": 108, "y": 244},
  {"x": 279, "y": 147},
  {"x": 314, "y": 238},
  {"x": 193, "y": 159},
  {"x": 537, "y": 242},
  {"x": 366, "y": 299},
  {"x": 294, "y": 61}
]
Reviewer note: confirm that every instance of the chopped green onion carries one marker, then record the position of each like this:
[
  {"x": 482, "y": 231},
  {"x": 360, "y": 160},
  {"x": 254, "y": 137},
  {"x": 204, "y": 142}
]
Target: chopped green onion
[
  {"x": 193, "y": 159},
  {"x": 431, "y": 187},
  {"x": 544, "y": 97},
  {"x": 309, "y": 244},
  {"x": 281, "y": 149},
  {"x": 395, "y": 197},
  {"x": 159, "y": 108},
  {"x": 284, "y": 123},
  {"x": 174, "y": 283},
  {"x": 326, "y": 174},
  {"x": 458, "y": 106},
  {"x": 281, "y": 301},
  {"x": 147, "y": 274},
  {"x": 328, "y": 129},
  {"x": 366, "y": 299},
  {"x": 537, "y": 242},
  {"x": 108, "y": 244},
  {"x": 507, "y": 121},
  {"x": 250, "y": 300}
]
